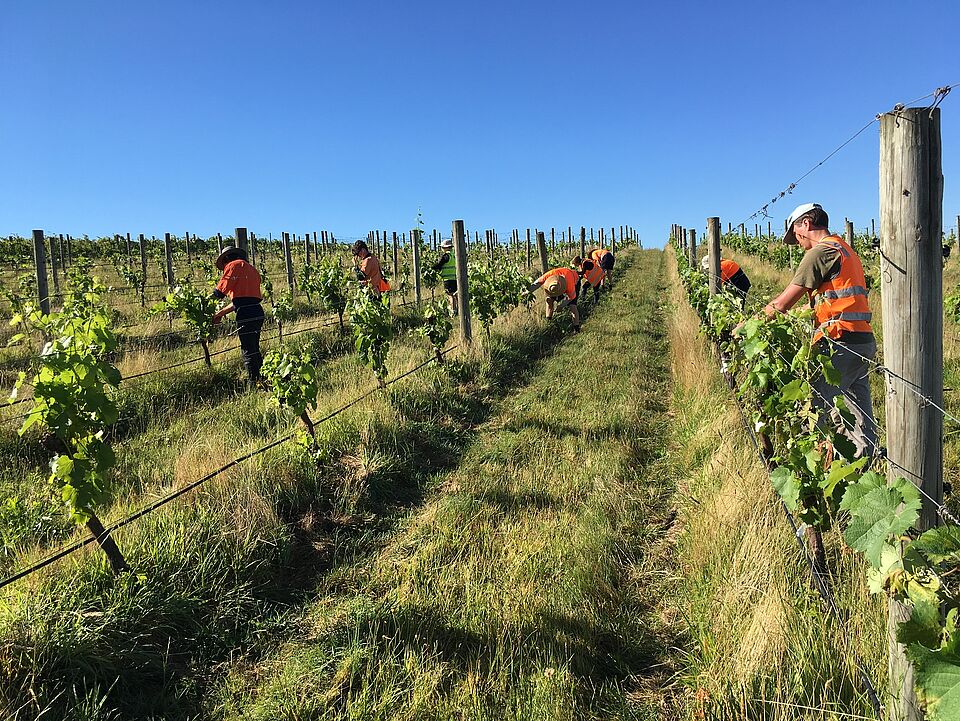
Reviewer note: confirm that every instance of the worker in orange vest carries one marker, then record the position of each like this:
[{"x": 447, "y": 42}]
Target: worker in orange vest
[
  {"x": 240, "y": 283},
  {"x": 368, "y": 269},
  {"x": 732, "y": 276},
  {"x": 592, "y": 273},
  {"x": 831, "y": 274},
  {"x": 605, "y": 259},
  {"x": 561, "y": 286}
]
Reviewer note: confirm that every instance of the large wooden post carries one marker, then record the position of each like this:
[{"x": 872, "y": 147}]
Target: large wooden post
[
  {"x": 911, "y": 198},
  {"x": 529, "y": 251},
  {"x": 415, "y": 240},
  {"x": 40, "y": 265},
  {"x": 713, "y": 253},
  {"x": 53, "y": 264},
  {"x": 542, "y": 249},
  {"x": 583, "y": 242},
  {"x": 692, "y": 246},
  {"x": 849, "y": 232},
  {"x": 168, "y": 254},
  {"x": 241, "y": 235},
  {"x": 306, "y": 248},
  {"x": 143, "y": 257},
  {"x": 463, "y": 292},
  {"x": 288, "y": 260}
]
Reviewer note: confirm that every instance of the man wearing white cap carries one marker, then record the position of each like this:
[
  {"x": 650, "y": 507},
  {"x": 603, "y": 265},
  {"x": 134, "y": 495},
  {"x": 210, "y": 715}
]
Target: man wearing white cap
[
  {"x": 832, "y": 275},
  {"x": 447, "y": 267}
]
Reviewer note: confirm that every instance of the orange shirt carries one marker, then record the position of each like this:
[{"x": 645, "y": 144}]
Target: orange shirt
[
  {"x": 728, "y": 269},
  {"x": 370, "y": 267},
  {"x": 598, "y": 254},
  {"x": 570, "y": 276},
  {"x": 240, "y": 280}
]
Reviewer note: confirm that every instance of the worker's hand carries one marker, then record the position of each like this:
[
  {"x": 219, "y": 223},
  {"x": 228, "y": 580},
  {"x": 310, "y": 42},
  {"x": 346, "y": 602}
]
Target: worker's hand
[{"x": 216, "y": 318}]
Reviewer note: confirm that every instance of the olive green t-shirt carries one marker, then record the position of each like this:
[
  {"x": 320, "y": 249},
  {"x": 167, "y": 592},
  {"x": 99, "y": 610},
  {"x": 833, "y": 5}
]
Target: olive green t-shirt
[{"x": 819, "y": 264}]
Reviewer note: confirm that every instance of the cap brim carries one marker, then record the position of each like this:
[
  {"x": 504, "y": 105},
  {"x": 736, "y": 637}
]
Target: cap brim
[
  {"x": 790, "y": 237},
  {"x": 221, "y": 261}
]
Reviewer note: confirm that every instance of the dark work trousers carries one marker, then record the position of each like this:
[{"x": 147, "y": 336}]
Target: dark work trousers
[
  {"x": 741, "y": 285},
  {"x": 249, "y": 333}
]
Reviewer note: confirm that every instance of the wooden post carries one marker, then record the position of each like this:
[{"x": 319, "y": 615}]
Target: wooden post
[
  {"x": 40, "y": 265},
  {"x": 529, "y": 253},
  {"x": 53, "y": 264},
  {"x": 713, "y": 253},
  {"x": 254, "y": 249},
  {"x": 241, "y": 235},
  {"x": 692, "y": 245},
  {"x": 542, "y": 249},
  {"x": 415, "y": 236},
  {"x": 168, "y": 252},
  {"x": 613, "y": 240},
  {"x": 143, "y": 256},
  {"x": 911, "y": 199},
  {"x": 219, "y": 243},
  {"x": 463, "y": 292},
  {"x": 186, "y": 244},
  {"x": 306, "y": 248},
  {"x": 850, "y": 232},
  {"x": 396, "y": 259},
  {"x": 288, "y": 260}
]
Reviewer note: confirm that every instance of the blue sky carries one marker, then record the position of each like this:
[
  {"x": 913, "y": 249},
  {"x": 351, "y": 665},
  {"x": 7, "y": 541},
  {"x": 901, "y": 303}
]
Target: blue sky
[{"x": 202, "y": 116}]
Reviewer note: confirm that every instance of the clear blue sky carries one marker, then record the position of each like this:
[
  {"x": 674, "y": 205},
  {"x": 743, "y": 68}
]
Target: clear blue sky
[{"x": 201, "y": 116}]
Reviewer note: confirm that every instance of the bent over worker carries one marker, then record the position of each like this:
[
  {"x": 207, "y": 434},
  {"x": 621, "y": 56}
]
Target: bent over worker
[
  {"x": 446, "y": 265},
  {"x": 605, "y": 259},
  {"x": 368, "y": 269},
  {"x": 832, "y": 274},
  {"x": 241, "y": 283},
  {"x": 561, "y": 286},
  {"x": 732, "y": 276},
  {"x": 592, "y": 273}
]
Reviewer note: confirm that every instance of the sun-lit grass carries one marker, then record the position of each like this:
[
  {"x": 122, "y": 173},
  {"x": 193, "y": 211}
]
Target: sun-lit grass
[{"x": 763, "y": 643}]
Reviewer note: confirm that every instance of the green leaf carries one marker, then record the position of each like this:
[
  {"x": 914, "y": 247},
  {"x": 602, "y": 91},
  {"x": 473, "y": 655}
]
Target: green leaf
[
  {"x": 923, "y": 626},
  {"x": 939, "y": 545},
  {"x": 878, "y": 512},
  {"x": 839, "y": 471},
  {"x": 795, "y": 390},
  {"x": 787, "y": 486},
  {"x": 938, "y": 681},
  {"x": 830, "y": 374}
]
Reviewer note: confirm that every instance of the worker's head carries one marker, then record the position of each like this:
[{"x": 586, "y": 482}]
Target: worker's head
[
  {"x": 705, "y": 263},
  {"x": 805, "y": 218},
  {"x": 555, "y": 286},
  {"x": 229, "y": 254},
  {"x": 360, "y": 249},
  {"x": 577, "y": 261},
  {"x": 447, "y": 244}
]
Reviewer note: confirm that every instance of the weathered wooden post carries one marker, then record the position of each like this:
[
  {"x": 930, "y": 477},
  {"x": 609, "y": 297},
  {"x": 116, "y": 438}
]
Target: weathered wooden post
[
  {"x": 849, "y": 233},
  {"x": 53, "y": 265},
  {"x": 713, "y": 253},
  {"x": 288, "y": 260},
  {"x": 306, "y": 248},
  {"x": 542, "y": 249},
  {"x": 416, "y": 236},
  {"x": 186, "y": 244},
  {"x": 911, "y": 197},
  {"x": 463, "y": 292},
  {"x": 219, "y": 243},
  {"x": 168, "y": 253},
  {"x": 142, "y": 242},
  {"x": 241, "y": 235},
  {"x": 692, "y": 246},
  {"x": 40, "y": 266},
  {"x": 613, "y": 240},
  {"x": 396, "y": 259}
]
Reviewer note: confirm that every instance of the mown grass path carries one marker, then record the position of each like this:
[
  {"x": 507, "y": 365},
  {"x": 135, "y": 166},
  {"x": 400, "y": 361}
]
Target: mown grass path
[{"x": 528, "y": 587}]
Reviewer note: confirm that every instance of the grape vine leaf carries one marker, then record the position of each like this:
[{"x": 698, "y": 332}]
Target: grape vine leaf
[
  {"x": 787, "y": 486},
  {"x": 939, "y": 545},
  {"x": 877, "y": 512},
  {"x": 938, "y": 680}
]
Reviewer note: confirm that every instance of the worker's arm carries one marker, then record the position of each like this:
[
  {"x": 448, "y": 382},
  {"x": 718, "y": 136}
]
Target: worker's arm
[
  {"x": 785, "y": 301},
  {"x": 218, "y": 316}
]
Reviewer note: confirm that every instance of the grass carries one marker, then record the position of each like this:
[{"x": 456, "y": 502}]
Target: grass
[
  {"x": 526, "y": 586},
  {"x": 763, "y": 645},
  {"x": 220, "y": 573}
]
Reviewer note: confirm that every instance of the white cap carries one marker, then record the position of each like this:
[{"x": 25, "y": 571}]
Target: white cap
[
  {"x": 705, "y": 263},
  {"x": 789, "y": 238},
  {"x": 446, "y": 243}
]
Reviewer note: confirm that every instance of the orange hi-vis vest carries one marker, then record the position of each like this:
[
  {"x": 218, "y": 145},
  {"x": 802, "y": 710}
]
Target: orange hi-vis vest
[
  {"x": 597, "y": 255},
  {"x": 594, "y": 274},
  {"x": 728, "y": 269},
  {"x": 842, "y": 302}
]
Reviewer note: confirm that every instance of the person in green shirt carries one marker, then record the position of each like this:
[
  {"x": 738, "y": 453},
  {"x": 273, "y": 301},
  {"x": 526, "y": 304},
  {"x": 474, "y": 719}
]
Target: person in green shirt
[{"x": 447, "y": 267}]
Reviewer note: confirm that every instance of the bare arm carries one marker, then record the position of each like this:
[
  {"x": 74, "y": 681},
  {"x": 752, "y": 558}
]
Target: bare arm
[{"x": 786, "y": 300}]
